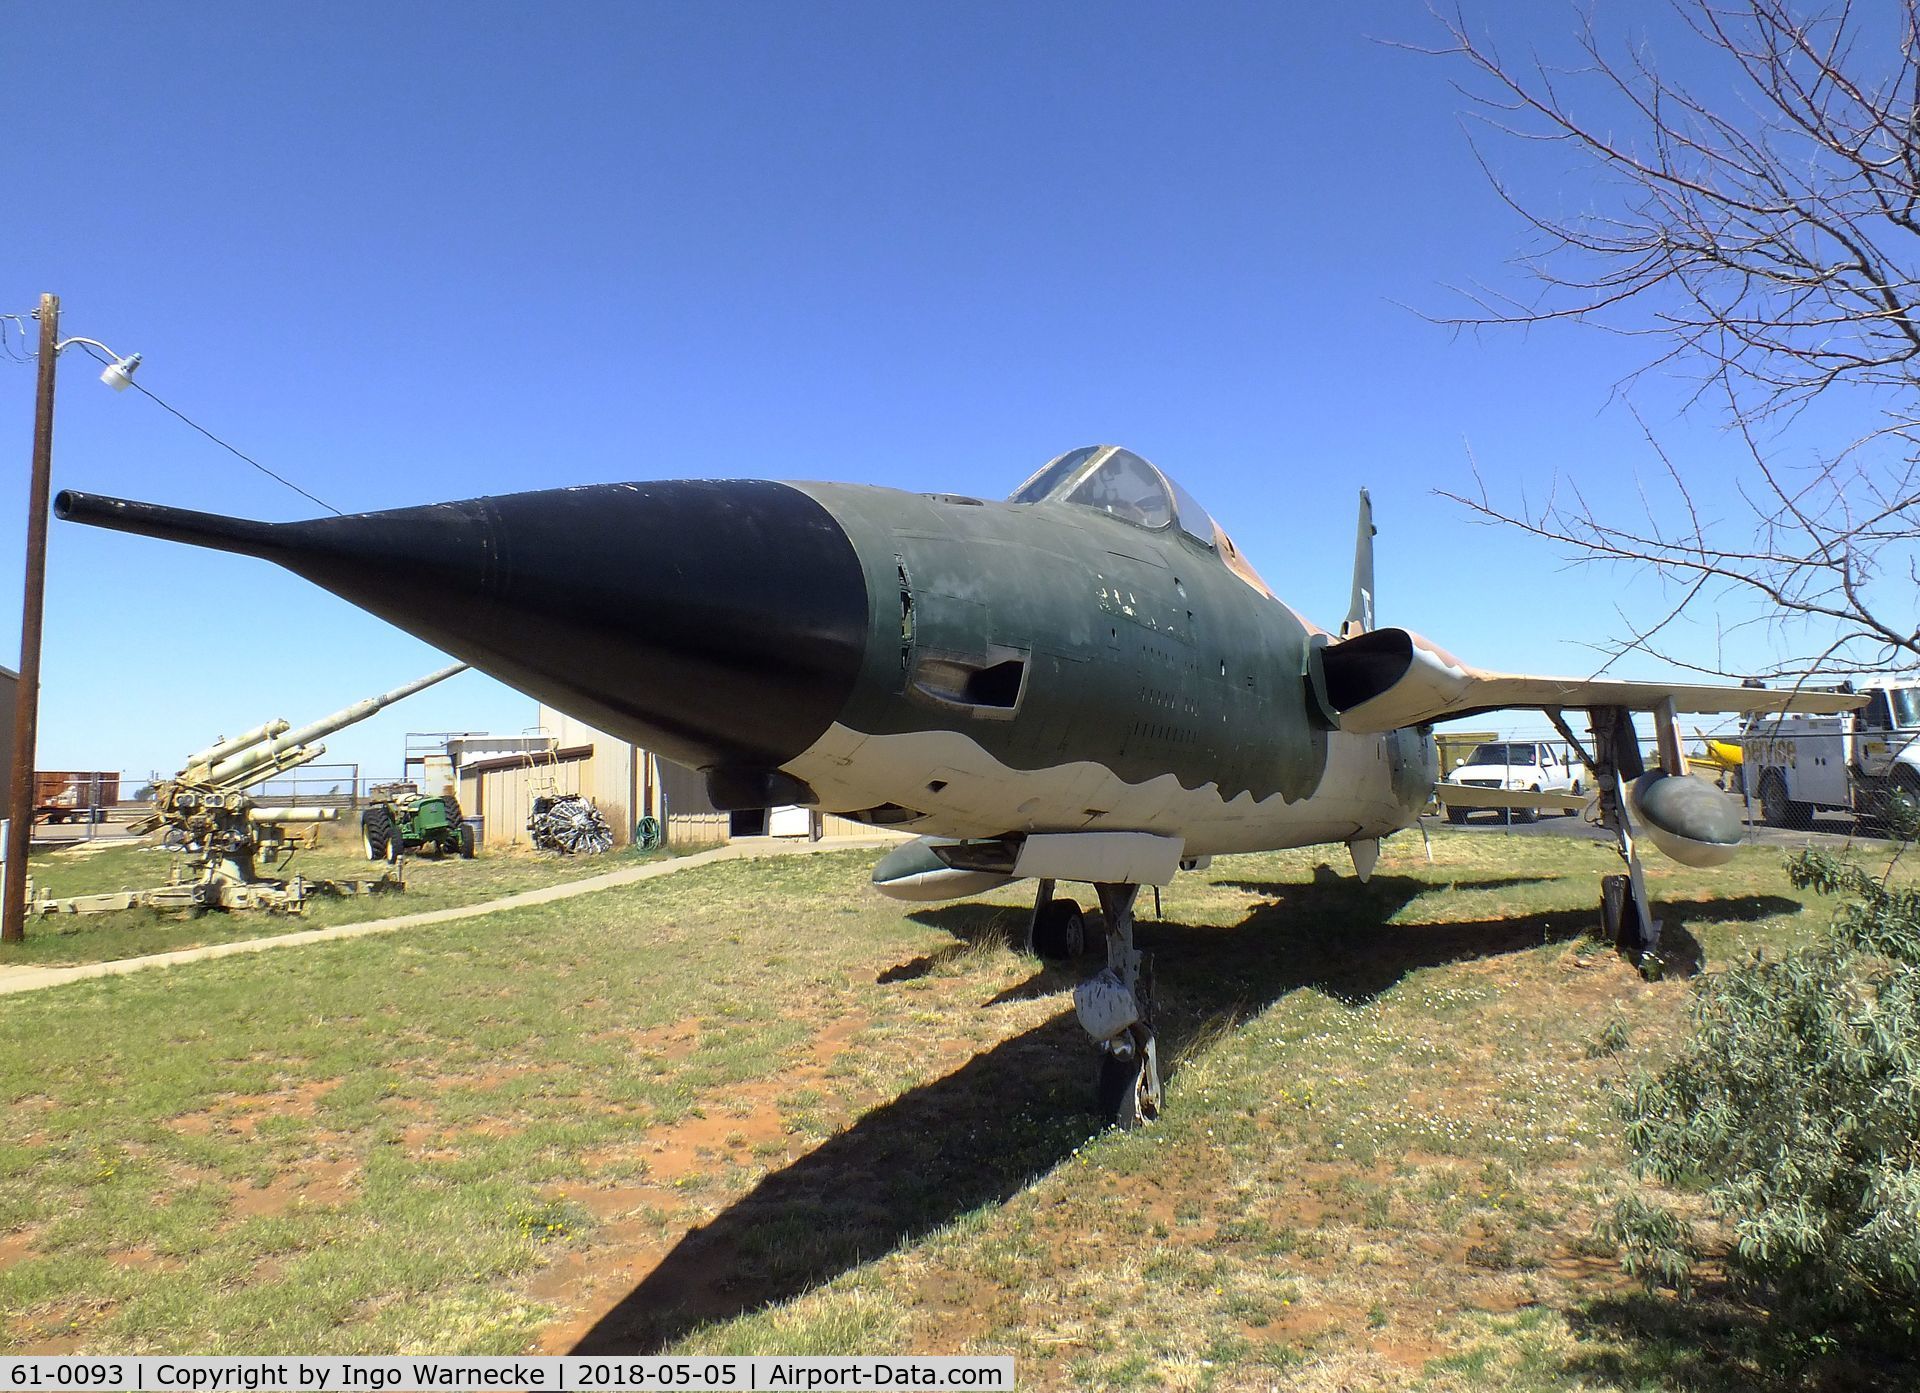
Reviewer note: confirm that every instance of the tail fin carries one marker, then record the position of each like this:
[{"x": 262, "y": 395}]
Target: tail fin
[{"x": 1360, "y": 609}]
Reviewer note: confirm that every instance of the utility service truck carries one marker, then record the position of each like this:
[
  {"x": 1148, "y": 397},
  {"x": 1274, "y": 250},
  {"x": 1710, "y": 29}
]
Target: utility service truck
[{"x": 1794, "y": 766}]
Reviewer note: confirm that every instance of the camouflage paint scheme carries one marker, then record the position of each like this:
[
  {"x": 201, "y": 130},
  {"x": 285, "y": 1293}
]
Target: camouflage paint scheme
[
  {"x": 1160, "y": 690},
  {"x": 1064, "y": 663}
]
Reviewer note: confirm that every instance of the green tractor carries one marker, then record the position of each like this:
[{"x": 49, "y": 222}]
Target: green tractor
[{"x": 403, "y": 820}]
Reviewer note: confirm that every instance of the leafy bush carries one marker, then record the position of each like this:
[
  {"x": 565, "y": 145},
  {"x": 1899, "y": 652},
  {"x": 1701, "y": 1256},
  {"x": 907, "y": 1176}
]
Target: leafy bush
[{"x": 1795, "y": 1106}]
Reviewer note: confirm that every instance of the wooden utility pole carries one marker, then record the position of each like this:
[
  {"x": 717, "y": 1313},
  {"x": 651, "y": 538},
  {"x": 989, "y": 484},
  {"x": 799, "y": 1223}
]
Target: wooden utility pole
[{"x": 26, "y": 707}]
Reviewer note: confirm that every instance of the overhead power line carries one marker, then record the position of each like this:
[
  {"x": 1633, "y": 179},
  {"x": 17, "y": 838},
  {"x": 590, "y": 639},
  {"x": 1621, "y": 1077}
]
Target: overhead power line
[
  {"x": 168, "y": 407},
  {"x": 21, "y": 352}
]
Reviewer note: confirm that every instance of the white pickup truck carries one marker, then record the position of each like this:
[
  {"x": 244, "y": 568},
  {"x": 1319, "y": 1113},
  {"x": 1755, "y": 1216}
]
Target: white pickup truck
[
  {"x": 1793, "y": 765},
  {"x": 1528, "y": 766}
]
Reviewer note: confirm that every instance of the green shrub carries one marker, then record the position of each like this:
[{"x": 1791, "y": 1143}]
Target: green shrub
[
  {"x": 1795, "y": 1107},
  {"x": 1613, "y": 1038}
]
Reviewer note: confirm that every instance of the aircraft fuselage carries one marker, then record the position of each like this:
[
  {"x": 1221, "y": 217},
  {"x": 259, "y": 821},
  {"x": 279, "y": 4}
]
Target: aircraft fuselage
[
  {"x": 1050, "y": 668},
  {"x": 956, "y": 667}
]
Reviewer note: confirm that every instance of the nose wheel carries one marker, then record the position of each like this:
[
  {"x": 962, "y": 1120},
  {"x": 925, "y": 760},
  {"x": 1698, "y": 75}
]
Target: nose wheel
[
  {"x": 1115, "y": 1007},
  {"x": 1127, "y": 1092}
]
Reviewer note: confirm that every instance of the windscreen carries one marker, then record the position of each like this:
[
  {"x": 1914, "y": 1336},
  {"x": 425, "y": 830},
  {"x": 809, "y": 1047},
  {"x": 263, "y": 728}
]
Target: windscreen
[
  {"x": 1906, "y": 707},
  {"x": 1126, "y": 487},
  {"x": 1052, "y": 474},
  {"x": 1503, "y": 754}
]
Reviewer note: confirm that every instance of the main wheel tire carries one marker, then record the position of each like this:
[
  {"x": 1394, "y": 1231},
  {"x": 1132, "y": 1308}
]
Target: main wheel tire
[
  {"x": 1456, "y": 816},
  {"x": 1574, "y": 792},
  {"x": 466, "y": 841},
  {"x": 1526, "y": 814},
  {"x": 1059, "y": 931},
  {"x": 376, "y": 834}
]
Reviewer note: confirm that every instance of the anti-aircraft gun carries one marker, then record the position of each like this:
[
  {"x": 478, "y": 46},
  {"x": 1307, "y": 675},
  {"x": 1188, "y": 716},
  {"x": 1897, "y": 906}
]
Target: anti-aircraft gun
[{"x": 210, "y": 811}]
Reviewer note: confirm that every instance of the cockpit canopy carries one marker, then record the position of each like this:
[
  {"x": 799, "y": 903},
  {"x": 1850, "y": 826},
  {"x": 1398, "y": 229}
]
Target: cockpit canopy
[{"x": 1121, "y": 484}]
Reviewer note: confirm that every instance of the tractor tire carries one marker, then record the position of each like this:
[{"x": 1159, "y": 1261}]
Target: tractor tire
[
  {"x": 466, "y": 841},
  {"x": 376, "y": 834}
]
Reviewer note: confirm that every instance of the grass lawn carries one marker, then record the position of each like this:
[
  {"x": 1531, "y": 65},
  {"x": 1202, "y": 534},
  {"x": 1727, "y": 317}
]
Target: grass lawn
[
  {"x": 431, "y": 883},
  {"x": 755, "y": 1108}
]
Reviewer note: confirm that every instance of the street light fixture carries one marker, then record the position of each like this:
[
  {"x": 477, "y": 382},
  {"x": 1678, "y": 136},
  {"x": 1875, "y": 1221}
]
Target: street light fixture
[
  {"x": 119, "y": 373},
  {"x": 26, "y": 710}
]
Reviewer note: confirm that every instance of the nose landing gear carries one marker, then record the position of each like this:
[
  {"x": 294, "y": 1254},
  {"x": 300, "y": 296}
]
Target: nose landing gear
[{"x": 1115, "y": 1007}]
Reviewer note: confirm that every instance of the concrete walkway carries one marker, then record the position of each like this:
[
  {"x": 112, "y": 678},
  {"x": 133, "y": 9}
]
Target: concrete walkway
[{"x": 27, "y": 979}]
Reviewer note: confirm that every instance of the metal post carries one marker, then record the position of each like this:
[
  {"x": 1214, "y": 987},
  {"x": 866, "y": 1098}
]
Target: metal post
[{"x": 26, "y": 710}]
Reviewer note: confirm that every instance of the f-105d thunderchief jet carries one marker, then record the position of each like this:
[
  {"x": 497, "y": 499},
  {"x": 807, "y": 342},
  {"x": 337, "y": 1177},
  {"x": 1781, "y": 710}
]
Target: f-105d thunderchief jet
[{"x": 1086, "y": 682}]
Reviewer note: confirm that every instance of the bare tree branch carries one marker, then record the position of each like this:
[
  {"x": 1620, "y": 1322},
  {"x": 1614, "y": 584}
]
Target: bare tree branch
[{"x": 1761, "y": 224}]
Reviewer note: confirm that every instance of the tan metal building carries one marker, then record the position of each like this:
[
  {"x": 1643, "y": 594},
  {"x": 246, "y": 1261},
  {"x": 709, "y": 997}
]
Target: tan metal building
[{"x": 626, "y": 783}]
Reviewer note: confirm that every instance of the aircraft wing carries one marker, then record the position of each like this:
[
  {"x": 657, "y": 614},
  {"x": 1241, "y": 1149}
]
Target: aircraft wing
[{"x": 1389, "y": 678}]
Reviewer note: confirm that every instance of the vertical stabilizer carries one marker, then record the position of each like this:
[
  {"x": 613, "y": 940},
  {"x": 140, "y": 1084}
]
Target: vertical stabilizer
[{"x": 1360, "y": 608}]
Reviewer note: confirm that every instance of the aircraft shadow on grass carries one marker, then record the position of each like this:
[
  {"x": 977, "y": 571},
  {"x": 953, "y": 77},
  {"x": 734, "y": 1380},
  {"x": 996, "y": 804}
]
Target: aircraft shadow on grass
[{"x": 981, "y": 1133}]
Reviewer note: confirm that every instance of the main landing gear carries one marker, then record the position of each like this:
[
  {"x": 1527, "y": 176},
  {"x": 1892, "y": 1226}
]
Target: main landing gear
[
  {"x": 1115, "y": 1005},
  {"x": 1626, "y": 914}
]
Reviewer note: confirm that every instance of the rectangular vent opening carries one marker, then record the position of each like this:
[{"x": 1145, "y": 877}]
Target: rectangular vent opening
[{"x": 990, "y": 685}]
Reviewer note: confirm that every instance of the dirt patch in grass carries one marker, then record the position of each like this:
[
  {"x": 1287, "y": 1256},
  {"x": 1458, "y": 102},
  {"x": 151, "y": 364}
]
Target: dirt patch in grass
[
  {"x": 1384, "y": 1147},
  {"x": 242, "y": 1113},
  {"x": 745, "y": 1129},
  {"x": 667, "y": 1042},
  {"x": 14, "y": 1247},
  {"x": 701, "y": 1144},
  {"x": 316, "y": 1182}
]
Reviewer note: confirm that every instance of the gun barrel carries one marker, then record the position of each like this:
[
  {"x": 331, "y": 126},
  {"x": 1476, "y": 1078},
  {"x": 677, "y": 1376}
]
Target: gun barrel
[
  {"x": 360, "y": 710},
  {"x": 272, "y": 815},
  {"x": 226, "y": 748},
  {"x": 259, "y": 764},
  {"x": 326, "y": 725}
]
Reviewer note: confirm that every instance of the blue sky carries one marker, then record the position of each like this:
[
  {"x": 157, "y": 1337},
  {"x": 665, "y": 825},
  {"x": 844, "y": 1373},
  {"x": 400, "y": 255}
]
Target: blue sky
[{"x": 407, "y": 253}]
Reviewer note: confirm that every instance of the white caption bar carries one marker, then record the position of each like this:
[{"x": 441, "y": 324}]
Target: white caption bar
[{"x": 561, "y": 1374}]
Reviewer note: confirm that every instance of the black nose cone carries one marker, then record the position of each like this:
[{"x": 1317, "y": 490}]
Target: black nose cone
[{"x": 717, "y": 623}]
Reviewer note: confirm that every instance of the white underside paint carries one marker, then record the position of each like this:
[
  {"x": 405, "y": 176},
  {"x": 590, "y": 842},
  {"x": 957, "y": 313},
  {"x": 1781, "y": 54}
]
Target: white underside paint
[
  {"x": 943, "y": 884},
  {"x": 1116, "y": 858},
  {"x": 982, "y": 797}
]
